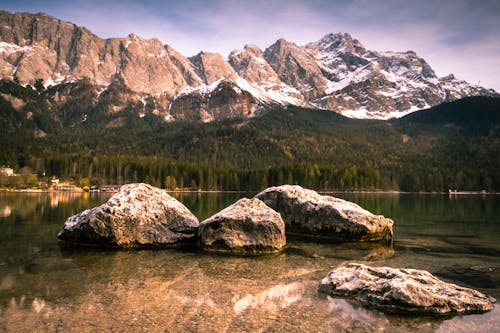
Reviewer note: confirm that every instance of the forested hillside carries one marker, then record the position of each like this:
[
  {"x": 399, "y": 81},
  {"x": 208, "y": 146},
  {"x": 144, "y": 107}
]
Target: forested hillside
[{"x": 451, "y": 146}]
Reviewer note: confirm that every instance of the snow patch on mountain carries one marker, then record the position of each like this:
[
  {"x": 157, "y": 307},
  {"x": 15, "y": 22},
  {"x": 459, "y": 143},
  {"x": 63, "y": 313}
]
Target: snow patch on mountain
[
  {"x": 270, "y": 93},
  {"x": 9, "y": 48},
  {"x": 56, "y": 79},
  {"x": 204, "y": 89},
  {"x": 358, "y": 75},
  {"x": 363, "y": 113}
]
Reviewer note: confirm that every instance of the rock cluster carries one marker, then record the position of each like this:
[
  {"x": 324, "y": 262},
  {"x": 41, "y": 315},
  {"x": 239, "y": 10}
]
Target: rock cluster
[
  {"x": 307, "y": 212},
  {"x": 139, "y": 215},
  {"x": 142, "y": 215},
  {"x": 403, "y": 290}
]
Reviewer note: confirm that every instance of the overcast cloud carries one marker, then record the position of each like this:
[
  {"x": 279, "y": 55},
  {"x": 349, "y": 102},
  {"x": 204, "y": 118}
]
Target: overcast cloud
[{"x": 454, "y": 36}]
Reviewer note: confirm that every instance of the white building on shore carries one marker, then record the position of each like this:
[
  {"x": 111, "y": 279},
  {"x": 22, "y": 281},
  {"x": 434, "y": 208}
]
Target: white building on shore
[{"x": 6, "y": 171}]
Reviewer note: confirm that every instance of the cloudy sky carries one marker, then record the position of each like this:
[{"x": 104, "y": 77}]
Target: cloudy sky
[{"x": 454, "y": 36}]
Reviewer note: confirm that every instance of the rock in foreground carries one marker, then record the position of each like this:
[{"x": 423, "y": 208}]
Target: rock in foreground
[
  {"x": 403, "y": 290},
  {"x": 307, "y": 212},
  {"x": 247, "y": 226},
  {"x": 139, "y": 215}
]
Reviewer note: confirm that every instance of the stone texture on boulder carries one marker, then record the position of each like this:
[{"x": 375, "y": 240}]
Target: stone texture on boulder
[
  {"x": 247, "y": 226},
  {"x": 139, "y": 215},
  {"x": 307, "y": 212},
  {"x": 403, "y": 290}
]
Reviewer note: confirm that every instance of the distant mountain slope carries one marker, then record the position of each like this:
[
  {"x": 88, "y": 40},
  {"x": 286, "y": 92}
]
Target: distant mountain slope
[
  {"x": 336, "y": 73},
  {"x": 480, "y": 115},
  {"x": 431, "y": 150}
]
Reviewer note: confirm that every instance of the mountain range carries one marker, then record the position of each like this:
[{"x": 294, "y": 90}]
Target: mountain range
[{"x": 76, "y": 75}]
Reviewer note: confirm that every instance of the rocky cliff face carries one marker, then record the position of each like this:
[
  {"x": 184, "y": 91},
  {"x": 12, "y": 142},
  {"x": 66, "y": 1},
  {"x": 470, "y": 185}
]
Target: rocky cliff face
[
  {"x": 369, "y": 84},
  {"x": 296, "y": 67},
  {"x": 335, "y": 73}
]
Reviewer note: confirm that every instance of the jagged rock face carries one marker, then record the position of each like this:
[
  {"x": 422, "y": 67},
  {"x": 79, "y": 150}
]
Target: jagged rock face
[
  {"x": 247, "y": 226},
  {"x": 185, "y": 67},
  {"x": 369, "y": 84},
  {"x": 222, "y": 101},
  {"x": 42, "y": 47},
  {"x": 251, "y": 65},
  {"x": 211, "y": 67},
  {"x": 403, "y": 290},
  {"x": 49, "y": 48},
  {"x": 139, "y": 215},
  {"x": 339, "y": 54},
  {"x": 320, "y": 216},
  {"x": 455, "y": 89},
  {"x": 336, "y": 73},
  {"x": 296, "y": 68},
  {"x": 146, "y": 67}
]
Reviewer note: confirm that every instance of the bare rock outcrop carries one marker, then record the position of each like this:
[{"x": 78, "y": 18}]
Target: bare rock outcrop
[
  {"x": 403, "y": 290},
  {"x": 296, "y": 67},
  {"x": 139, "y": 215},
  {"x": 221, "y": 100},
  {"x": 250, "y": 64},
  {"x": 336, "y": 73},
  {"x": 211, "y": 67},
  {"x": 307, "y": 212},
  {"x": 247, "y": 226}
]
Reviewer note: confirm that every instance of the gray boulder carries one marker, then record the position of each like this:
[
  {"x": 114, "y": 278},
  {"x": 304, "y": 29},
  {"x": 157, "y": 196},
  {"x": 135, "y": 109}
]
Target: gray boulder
[
  {"x": 139, "y": 215},
  {"x": 403, "y": 290},
  {"x": 247, "y": 226},
  {"x": 307, "y": 212}
]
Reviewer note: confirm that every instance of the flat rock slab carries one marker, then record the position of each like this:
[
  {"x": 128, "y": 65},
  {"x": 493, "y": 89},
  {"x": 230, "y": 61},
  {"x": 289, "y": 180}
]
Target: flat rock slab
[
  {"x": 248, "y": 227},
  {"x": 139, "y": 215},
  {"x": 403, "y": 290},
  {"x": 307, "y": 212}
]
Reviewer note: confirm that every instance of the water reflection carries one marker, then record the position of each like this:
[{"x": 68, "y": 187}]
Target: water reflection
[
  {"x": 180, "y": 305},
  {"x": 205, "y": 204},
  {"x": 271, "y": 300},
  {"x": 45, "y": 287},
  {"x": 5, "y": 211}
]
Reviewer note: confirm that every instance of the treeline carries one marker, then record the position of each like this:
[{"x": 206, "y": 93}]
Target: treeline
[
  {"x": 455, "y": 146},
  {"x": 167, "y": 173}
]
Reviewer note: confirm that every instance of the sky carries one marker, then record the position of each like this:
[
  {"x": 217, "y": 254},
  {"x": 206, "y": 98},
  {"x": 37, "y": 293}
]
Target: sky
[{"x": 454, "y": 36}]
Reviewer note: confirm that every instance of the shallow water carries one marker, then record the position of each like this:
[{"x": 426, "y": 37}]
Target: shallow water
[{"x": 48, "y": 287}]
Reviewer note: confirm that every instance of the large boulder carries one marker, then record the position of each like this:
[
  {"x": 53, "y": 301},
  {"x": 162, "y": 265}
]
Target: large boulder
[
  {"x": 309, "y": 213},
  {"x": 139, "y": 215},
  {"x": 247, "y": 226},
  {"x": 403, "y": 290}
]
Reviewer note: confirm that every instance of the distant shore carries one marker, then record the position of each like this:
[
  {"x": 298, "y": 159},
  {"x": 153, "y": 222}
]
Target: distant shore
[{"x": 80, "y": 190}]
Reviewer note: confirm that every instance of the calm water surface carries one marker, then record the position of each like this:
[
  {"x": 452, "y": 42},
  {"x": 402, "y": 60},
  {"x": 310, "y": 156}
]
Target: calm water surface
[{"x": 45, "y": 287}]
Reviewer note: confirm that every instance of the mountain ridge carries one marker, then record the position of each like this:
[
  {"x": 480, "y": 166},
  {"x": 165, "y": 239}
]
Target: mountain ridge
[
  {"x": 451, "y": 146},
  {"x": 336, "y": 73}
]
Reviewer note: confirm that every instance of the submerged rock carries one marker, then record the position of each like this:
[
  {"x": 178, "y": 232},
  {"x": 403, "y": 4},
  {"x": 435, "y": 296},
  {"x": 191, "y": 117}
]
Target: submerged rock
[
  {"x": 403, "y": 290},
  {"x": 139, "y": 215},
  {"x": 307, "y": 212},
  {"x": 247, "y": 226}
]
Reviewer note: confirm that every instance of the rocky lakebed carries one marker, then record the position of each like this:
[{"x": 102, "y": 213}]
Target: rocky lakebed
[{"x": 142, "y": 216}]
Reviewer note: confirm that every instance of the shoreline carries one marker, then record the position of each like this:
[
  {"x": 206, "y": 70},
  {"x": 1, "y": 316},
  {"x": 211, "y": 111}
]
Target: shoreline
[{"x": 390, "y": 192}]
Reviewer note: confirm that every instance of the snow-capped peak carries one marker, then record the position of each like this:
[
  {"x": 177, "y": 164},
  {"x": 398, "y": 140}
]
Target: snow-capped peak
[{"x": 336, "y": 72}]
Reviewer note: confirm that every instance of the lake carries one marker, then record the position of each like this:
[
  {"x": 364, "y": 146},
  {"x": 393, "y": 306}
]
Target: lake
[{"x": 47, "y": 287}]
